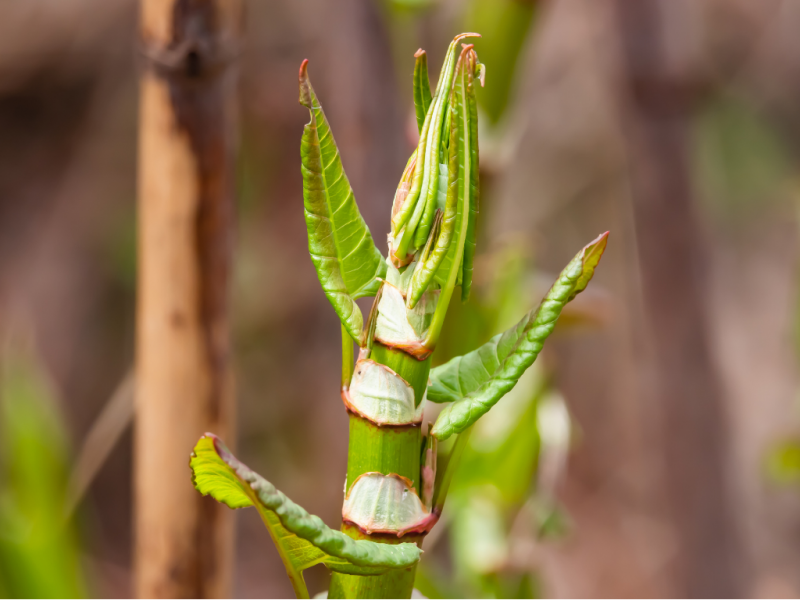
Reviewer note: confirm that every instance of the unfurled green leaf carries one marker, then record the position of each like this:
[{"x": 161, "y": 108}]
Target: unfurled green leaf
[
  {"x": 422, "y": 87},
  {"x": 339, "y": 241},
  {"x": 302, "y": 540},
  {"x": 476, "y": 381}
]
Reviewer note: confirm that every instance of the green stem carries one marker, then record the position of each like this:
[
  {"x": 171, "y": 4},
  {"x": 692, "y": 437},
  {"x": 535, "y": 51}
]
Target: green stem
[
  {"x": 385, "y": 450},
  {"x": 398, "y": 583},
  {"x": 299, "y": 585}
]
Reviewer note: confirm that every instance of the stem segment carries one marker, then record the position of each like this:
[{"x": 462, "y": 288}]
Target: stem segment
[{"x": 386, "y": 450}]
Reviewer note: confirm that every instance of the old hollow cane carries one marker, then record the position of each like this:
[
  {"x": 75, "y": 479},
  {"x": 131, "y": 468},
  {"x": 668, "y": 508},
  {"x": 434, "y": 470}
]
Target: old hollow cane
[{"x": 394, "y": 492}]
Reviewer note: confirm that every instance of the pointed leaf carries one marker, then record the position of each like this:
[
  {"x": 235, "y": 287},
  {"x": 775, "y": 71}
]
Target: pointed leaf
[
  {"x": 476, "y": 381},
  {"x": 422, "y": 87},
  {"x": 302, "y": 540},
  {"x": 339, "y": 241}
]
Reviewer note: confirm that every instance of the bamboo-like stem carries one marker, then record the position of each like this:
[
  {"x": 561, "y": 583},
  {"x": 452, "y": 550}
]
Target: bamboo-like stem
[
  {"x": 183, "y": 541},
  {"x": 386, "y": 450}
]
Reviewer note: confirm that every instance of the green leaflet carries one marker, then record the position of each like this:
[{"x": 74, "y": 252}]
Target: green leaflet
[
  {"x": 422, "y": 87},
  {"x": 302, "y": 540},
  {"x": 476, "y": 381},
  {"x": 340, "y": 244}
]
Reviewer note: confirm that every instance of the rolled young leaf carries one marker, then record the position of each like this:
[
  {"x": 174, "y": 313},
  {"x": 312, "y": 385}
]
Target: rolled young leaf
[
  {"x": 302, "y": 540},
  {"x": 427, "y": 268},
  {"x": 440, "y": 106},
  {"x": 474, "y": 183},
  {"x": 341, "y": 246},
  {"x": 476, "y": 381},
  {"x": 419, "y": 208},
  {"x": 422, "y": 87},
  {"x": 463, "y": 178}
]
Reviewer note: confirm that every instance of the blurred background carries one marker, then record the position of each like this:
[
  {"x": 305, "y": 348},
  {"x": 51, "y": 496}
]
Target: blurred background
[{"x": 654, "y": 448}]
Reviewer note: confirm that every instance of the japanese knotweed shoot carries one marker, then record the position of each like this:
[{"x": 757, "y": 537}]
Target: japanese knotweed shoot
[{"x": 393, "y": 495}]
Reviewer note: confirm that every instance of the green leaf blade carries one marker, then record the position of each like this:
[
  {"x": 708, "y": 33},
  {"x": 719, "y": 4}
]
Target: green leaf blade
[
  {"x": 303, "y": 540},
  {"x": 340, "y": 243},
  {"x": 476, "y": 381}
]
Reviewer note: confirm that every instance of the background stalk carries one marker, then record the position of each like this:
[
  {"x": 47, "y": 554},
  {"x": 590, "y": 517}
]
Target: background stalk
[
  {"x": 183, "y": 541},
  {"x": 386, "y": 450}
]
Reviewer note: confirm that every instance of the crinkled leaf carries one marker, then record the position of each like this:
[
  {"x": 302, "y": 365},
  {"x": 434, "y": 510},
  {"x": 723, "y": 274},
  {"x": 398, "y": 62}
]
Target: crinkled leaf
[
  {"x": 476, "y": 381},
  {"x": 422, "y": 87},
  {"x": 339, "y": 241},
  {"x": 303, "y": 540}
]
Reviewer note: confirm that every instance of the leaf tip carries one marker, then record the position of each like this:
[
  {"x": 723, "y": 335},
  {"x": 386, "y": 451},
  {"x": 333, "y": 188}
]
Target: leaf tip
[
  {"x": 419, "y": 53},
  {"x": 482, "y": 76},
  {"x": 597, "y": 245},
  {"x": 439, "y": 431},
  {"x": 461, "y": 36},
  {"x": 305, "y": 86}
]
